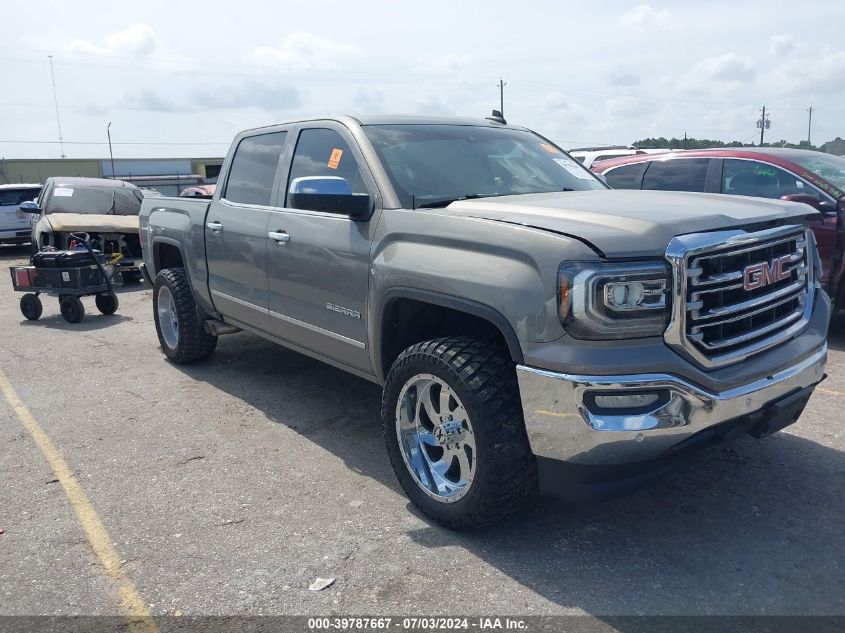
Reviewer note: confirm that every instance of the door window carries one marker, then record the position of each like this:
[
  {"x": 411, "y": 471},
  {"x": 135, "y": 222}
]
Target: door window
[
  {"x": 683, "y": 174},
  {"x": 625, "y": 177},
  {"x": 253, "y": 169},
  {"x": 323, "y": 153},
  {"x": 753, "y": 178}
]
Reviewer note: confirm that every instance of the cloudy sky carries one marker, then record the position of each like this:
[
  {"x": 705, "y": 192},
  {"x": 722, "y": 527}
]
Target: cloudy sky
[{"x": 180, "y": 78}]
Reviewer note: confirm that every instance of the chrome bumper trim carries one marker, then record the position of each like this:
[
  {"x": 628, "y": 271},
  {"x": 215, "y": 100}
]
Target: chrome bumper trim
[{"x": 562, "y": 425}]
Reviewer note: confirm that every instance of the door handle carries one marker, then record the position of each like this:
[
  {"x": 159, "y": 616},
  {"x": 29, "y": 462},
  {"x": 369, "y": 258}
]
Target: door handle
[
  {"x": 280, "y": 236},
  {"x": 214, "y": 225}
]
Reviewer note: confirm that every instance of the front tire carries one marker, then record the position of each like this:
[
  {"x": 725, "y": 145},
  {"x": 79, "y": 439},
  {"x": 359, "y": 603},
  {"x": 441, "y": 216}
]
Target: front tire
[
  {"x": 72, "y": 309},
  {"x": 455, "y": 433},
  {"x": 31, "y": 306},
  {"x": 107, "y": 304},
  {"x": 181, "y": 334}
]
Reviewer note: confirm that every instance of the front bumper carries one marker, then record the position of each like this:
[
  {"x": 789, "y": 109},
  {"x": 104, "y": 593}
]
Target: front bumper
[{"x": 564, "y": 423}]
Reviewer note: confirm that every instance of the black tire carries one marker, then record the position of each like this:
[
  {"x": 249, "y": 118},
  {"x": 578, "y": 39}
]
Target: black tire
[
  {"x": 31, "y": 306},
  {"x": 72, "y": 309},
  {"x": 107, "y": 304},
  {"x": 192, "y": 342},
  {"x": 483, "y": 376}
]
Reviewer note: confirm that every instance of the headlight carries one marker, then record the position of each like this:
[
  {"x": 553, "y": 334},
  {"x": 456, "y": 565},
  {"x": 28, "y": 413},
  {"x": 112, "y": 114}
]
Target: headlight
[{"x": 601, "y": 301}]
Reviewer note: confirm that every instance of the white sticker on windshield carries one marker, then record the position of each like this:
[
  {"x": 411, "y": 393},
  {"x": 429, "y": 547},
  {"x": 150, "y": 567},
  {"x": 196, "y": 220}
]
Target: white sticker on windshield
[
  {"x": 63, "y": 192},
  {"x": 573, "y": 168}
]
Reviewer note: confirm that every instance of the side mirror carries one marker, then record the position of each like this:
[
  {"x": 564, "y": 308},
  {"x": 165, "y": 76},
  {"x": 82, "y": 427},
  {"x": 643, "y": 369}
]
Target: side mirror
[
  {"x": 329, "y": 194},
  {"x": 601, "y": 177},
  {"x": 30, "y": 207},
  {"x": 806, "y": 199}
]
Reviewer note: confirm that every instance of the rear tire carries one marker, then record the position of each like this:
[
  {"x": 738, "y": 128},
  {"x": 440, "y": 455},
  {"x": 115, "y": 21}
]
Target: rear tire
[
  {"x": 180, "y": 332},
  {"x": 31, "y": 306},
  {"x": 478, "y": 411},
  {"x": 72, "y": 309},
  {"x": 107, "y": 304}
]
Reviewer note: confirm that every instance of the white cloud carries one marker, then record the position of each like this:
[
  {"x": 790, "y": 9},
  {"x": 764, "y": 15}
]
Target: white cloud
[
  {"x": 728, "y": 67},
  {"x": 303, "y": 51},
  {"x": 644, "y": 16},
  {"x": 137, "y": 40},
  {"x": 443, "y": 63},
  {"x": 780, "y": 45}
]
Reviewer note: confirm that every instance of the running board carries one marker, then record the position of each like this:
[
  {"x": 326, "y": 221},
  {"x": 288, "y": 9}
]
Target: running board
[{"x": 216, "y": 327}]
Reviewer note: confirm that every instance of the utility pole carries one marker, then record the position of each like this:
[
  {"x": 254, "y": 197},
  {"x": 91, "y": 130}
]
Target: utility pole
[
  {"x": 111, "y": 155},
  {"x": 56, "y": 102},
  {"x": 685, "y": 140},
  {"x": 764, "y": 124},
  {"x": 810, "y": 128},
  {"x": 502, "y": 85}
]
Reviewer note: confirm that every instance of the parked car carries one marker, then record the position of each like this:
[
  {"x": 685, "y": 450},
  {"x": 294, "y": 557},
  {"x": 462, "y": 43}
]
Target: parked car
[
  {"x": 590, "y": 156},
  {"x": 14, "y": 224},
  {"x": 814, "y": 178},
  {"x": 105, "y": 209},
  {"x": 529, "y": 325},
  {"x": 199, "y": 191}
]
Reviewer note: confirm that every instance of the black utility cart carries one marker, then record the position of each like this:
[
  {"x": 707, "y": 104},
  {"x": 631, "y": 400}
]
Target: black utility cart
[{"x": 68, "y": 274}]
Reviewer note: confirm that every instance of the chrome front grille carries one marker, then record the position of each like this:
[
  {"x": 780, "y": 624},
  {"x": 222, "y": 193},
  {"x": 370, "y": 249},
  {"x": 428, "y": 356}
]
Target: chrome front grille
[{"x": 739, "y": 293}]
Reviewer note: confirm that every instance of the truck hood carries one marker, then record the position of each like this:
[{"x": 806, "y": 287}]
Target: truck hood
[
  {"x": 630, "y": 223},
  {"x": 64, "y": 222}
]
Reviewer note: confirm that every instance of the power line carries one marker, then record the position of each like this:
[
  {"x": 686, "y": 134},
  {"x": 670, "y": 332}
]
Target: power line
[{"x": 56, "y": 102}]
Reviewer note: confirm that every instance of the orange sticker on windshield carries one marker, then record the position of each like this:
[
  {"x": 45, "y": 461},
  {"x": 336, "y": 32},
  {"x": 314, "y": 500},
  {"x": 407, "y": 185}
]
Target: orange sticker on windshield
[
  {"x": 551, "y": 149},
  {"x": 334, "y": 159}
]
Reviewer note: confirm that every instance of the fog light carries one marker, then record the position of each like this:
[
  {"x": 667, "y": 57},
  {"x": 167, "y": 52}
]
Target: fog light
[{"x": 632, "y": 401}]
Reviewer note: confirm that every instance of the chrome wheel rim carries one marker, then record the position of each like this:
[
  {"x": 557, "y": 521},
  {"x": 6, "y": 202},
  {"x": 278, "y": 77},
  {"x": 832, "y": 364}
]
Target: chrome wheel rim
[
  {"x": 436, "y": 438},
  {"x": 167, "y": 319}
]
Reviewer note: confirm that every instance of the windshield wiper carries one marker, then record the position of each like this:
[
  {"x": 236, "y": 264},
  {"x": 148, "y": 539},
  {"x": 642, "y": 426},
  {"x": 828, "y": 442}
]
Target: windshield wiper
[{"x": 445, "y": 202}]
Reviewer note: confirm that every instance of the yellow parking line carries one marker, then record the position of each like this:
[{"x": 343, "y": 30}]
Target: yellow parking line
[
  {"x": 131, "y": 605},
  {"x": 554, "y": 414},
  {"x": 831, "y": 392}
]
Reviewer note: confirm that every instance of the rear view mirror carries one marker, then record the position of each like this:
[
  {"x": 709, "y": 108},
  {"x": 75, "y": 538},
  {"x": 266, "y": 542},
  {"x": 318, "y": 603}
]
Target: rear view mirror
[
  {"x": 30, "y": 207},
  {"x": 329, "y": 194}
]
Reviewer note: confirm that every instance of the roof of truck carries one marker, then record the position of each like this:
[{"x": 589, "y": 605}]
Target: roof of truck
[
  {"x": 402, "y": 119},
  {"x": 21, "y": 185}
]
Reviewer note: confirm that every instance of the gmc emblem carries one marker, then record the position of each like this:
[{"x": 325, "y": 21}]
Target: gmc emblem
[{"x": 758, "y": 275}]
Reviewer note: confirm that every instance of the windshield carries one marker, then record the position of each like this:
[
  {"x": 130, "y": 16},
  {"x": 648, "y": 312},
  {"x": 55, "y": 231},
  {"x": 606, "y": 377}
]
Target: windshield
[
  {"x": 827, "y": 166},
  {"x": 431, "y": 163},
  {"x": 13, "y": 197},
  {"x": 99, "y": 200}
]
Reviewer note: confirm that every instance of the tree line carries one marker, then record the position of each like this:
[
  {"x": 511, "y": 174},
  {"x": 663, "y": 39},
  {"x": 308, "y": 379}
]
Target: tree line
[{"x": 836, "y": 146}]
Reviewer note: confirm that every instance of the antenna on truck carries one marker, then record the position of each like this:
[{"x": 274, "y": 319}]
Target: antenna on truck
[{"x": 496, "y": 117}]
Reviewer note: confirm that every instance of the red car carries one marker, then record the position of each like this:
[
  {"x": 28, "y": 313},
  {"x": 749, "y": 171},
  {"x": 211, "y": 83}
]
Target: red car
[{"x": 815, "y": 178}]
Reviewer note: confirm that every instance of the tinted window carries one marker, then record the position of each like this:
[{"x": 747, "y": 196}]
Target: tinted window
[
  {"x": 625, "y": 177},
  {"x": 254, "y": 169},
  {"x": 683, "y": 174},
  {"x": 427, "y": 163},
  {"x": 323, "y": 152},
  {"x": 10, "y": 197},
  {"x": 752, "y": 178}
]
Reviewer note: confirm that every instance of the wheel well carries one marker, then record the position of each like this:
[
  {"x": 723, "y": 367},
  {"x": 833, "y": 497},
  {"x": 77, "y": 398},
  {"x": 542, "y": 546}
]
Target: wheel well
[
  {"x": 409, "y": 321},
  {"x": 167, "y": 256}
]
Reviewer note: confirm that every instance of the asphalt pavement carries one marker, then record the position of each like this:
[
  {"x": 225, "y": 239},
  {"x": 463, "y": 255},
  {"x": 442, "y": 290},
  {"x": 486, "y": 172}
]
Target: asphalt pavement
[{"x": 229, "y": 487}]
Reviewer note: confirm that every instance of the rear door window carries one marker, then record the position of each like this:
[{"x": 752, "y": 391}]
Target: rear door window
[
  {"x": 683, "y": 174},
  {"x": 625, "y": 177},
  {"x": 753, "y": 178},
  {"x": 253, "y": 169}
]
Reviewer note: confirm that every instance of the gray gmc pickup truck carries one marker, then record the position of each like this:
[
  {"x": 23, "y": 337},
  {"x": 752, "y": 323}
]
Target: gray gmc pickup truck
[{"x": 532, "y": 329}]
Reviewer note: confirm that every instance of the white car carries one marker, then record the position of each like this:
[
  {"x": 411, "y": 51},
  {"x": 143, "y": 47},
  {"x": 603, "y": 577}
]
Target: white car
[
  {"x": 588, "y": 157},
  {"x": 15, "y": 225}
]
